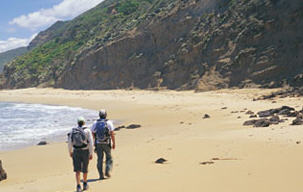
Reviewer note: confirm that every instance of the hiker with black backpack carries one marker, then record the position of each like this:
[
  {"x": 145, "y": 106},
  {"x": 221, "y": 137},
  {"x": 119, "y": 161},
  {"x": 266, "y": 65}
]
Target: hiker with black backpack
[
  {"x": 80, "y": 146},
  {"x": 104, "y": 140}
]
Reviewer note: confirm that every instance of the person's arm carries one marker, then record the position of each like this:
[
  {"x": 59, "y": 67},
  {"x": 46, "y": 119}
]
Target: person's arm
[
  {"x": 112, "y": 134},
  {"x": 70, "y": 146},
  {"x": 93, "y": 131},
  {"x": 90, "y": 144}
]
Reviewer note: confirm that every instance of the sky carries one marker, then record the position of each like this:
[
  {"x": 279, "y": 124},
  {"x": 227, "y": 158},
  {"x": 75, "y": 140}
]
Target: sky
[{"x": 22, "y": 20}]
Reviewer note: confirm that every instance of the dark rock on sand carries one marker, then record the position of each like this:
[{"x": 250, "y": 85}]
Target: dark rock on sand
[
  {"x": 298, "y": 142},
  {"x": 160, "y": 160},
  {"x": 42, "y": 143},
  {"x": 249, "y": 112},
  {"x": 289, "y": 92},
  {"x": 119, "y": 128},
  {"x": 206, "y": 116},
  {"x": 258, "y": 122},
  {"x": 133, "y": 126},
  {"x": 224, "y": 108},
  {"x": 284, "y": 110},
  {"x": 207, "y": 163},
  {"x": 262, "y": 123},
  {"x": 297, "y": 121},
  {"x": 253, "y": 116},
  {"x": 275, "y": 120},
  {"x": 3, "y": 174}
]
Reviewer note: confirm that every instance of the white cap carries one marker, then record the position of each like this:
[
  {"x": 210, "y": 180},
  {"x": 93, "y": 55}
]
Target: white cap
[{"x": 81, "y": 119}]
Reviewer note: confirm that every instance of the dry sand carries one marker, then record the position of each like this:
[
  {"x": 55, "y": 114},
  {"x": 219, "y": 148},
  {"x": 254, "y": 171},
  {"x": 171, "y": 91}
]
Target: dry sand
[{"x": 254, "y": 159}]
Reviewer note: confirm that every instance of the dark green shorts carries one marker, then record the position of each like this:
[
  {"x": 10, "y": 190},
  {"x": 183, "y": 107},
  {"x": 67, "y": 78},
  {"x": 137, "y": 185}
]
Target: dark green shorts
[{"x": 80, "y": 160}]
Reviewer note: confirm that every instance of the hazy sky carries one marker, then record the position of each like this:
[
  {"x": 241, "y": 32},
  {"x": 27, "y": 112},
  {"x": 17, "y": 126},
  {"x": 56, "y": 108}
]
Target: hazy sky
[{"x": 21, "y": 20}]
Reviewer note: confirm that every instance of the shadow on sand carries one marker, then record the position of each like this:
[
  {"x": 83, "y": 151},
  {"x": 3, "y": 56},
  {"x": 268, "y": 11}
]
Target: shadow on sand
[{"x": 94, "y": 180}]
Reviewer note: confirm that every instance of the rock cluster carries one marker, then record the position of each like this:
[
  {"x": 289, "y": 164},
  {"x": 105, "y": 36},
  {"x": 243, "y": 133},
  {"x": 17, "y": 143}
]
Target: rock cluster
[
  {"x": 271, "y": 116},
  {"x": 289, "y": 92}
]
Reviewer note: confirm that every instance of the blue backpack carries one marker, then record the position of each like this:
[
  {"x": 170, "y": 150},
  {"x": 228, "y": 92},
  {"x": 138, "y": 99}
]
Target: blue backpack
[{"x": 102, "y": 132}]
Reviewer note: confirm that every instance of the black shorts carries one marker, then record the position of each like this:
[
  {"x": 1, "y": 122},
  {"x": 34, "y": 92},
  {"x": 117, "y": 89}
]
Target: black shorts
[{"x": 80, "y": 160}]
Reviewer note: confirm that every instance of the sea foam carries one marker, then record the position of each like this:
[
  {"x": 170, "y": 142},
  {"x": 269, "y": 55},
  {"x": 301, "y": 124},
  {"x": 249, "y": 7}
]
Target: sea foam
[{"x": 26, "y": 124}]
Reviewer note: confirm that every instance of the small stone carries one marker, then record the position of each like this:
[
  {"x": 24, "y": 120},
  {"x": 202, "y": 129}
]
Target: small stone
[
  {"x": 298, "y": 142},
  {"x": 249, "y": 112},
  {"x": 42, "y": 143},
  {"x": 207, "y": 163},
  {"x": 224, "y": 108},
  {"x": 206, "y": 116},
  {"x": 160, "y": 160}
]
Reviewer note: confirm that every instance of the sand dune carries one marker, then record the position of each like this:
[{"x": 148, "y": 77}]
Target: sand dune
[{"x": 243, "y": 158}]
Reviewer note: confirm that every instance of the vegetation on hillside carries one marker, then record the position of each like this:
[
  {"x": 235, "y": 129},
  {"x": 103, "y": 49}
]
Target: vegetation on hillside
[
  {"x": 95, "y": 28},
  {"x": 8, "y": 56},
  {"x": 178, "y": 44}
]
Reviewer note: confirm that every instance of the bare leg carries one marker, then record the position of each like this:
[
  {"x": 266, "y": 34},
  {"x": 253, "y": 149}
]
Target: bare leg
[
  {"x": 78, "y": 177},
  {"x": 85, "y": 177}
]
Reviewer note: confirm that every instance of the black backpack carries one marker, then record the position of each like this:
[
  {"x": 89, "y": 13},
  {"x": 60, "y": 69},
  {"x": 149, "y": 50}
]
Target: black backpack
[{"x": 79, "y": 138}]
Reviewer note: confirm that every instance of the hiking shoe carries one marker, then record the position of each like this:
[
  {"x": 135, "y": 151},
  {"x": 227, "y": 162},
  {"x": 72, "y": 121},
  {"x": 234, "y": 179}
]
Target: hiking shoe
[
  {"x": 107, "y": 174},
  {"x": 101, "y": 178},
  {"x": 85, "y": 186},
  {"x": 78, "y": 189}
]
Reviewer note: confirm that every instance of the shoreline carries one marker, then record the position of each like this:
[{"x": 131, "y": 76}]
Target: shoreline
[
  {"x": 246, "y": 158},
  {"x": 50, "y": 124}
]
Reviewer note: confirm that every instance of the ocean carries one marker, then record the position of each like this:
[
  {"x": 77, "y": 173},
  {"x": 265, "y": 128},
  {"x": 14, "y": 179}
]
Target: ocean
[{"x": 23, "y": 125}]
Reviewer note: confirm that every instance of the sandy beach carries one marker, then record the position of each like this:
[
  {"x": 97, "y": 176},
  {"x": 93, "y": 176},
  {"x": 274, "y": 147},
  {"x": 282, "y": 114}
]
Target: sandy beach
[{"x": 244, "y": 158}]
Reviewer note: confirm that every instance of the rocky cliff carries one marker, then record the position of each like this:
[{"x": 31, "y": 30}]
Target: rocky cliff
[{"x": 177, "y": 44}]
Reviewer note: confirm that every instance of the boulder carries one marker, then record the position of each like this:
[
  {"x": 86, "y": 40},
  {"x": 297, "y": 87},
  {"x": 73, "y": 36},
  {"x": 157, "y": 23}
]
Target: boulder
[
  {"x": 275, "y": 120},
  {"x": 258, "y": 122},
  {"x": 297, "y": 121},
  {"x": 3, "y": 174},
  {"x": 262, "y": 123}
]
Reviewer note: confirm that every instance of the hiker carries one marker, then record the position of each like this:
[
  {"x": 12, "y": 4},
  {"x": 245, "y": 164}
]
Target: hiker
[
  {"x": 80, "y": 146},
  {"x": 104, "y": 139}
]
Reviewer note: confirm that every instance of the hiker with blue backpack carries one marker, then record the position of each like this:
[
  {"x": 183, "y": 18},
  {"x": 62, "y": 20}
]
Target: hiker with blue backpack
[
  {"x": 80, "y": 146},
  {"x": 104, "y": 140}
]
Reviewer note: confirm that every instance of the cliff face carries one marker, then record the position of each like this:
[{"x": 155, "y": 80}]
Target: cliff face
[{"x": 181, "y": 44}]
